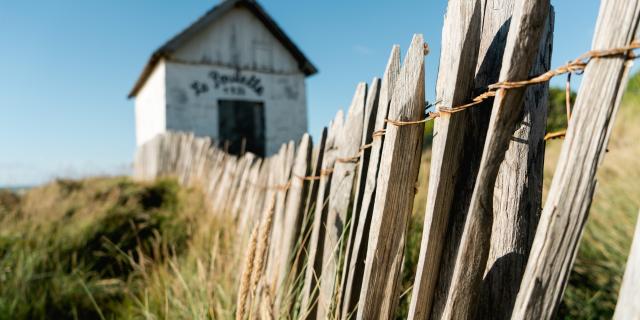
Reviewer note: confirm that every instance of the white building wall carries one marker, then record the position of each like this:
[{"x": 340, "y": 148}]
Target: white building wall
[
  {"x": 189, "y": 102},
  {"x": 150, "y": 106},
  {"x": 196, "y": 110}
]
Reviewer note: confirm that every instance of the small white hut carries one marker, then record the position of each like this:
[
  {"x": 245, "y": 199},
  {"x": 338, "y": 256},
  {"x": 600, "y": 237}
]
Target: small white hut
[{"x": 233, "y": 75}]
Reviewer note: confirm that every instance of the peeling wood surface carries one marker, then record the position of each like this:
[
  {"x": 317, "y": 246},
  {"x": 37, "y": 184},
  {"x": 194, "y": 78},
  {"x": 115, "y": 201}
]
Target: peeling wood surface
[
  {"x": 461, "y": 37},
  {"x": 517, "y": 199}
]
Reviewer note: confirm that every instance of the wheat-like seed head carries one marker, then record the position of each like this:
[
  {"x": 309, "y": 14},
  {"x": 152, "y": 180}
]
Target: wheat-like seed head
[{"x": 243, "y": 291}]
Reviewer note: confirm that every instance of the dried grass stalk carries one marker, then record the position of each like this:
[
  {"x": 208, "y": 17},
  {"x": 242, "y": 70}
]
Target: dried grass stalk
[{"x": 245, "y": 282}]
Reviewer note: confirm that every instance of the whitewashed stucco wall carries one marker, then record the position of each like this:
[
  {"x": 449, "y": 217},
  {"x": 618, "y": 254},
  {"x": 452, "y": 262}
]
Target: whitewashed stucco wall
[
  {"x": 182, "y": 95},
  {"x": 150, "y": 106}
]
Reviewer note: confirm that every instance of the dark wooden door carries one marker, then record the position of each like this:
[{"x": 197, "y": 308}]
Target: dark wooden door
[{"x": 241, "y": 126}]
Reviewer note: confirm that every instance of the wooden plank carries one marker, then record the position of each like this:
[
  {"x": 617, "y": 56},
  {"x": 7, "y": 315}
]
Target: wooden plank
[
  {"x": 348, "y": 144},
  {"x": 241, "y": 198},
  {"x": 248, "y": 201},
  {"x": 396, "y": 182},
  {"x": 370, "y": 111},
  {"x": 299, "y": 262},
  {"x": 275, "y": 179},
  {"x": 562, "y": 221},
  {"x": 518, "y": 191},
  {"x": 236, "y": 192},
  {"x": 316, "y": 242},
  {"x": 527, "y": 26},
  {"x": 293, "y": 215},
  {"x": 627, "y": 306},
  {"x": 283, "y": 173},
  {"x": 354, "y": 264},
  {"x": 458, "y": 59},
  {"x": 252, "y": 213}
]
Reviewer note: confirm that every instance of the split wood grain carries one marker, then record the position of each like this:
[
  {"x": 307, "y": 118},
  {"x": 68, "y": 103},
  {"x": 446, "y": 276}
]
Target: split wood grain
[
  {"x": 458, "y": 58},
  {"x": 566, "y": 209},
  {"x": 523, "y": 41},
  {"x": 518, "y": 190},
  {"x": 397, "y": 176}
]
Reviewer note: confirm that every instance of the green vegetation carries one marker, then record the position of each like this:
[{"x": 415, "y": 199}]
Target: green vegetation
[
  {"x": 557, "y": 112},
  {"x": 108, "y": 248}
]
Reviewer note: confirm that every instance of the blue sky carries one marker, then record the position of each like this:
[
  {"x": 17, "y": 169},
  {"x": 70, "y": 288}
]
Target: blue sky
[{"x": 67, "y": 66}]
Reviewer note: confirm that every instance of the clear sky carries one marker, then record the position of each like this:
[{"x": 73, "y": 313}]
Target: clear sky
[{"x": 66, "y": 67}]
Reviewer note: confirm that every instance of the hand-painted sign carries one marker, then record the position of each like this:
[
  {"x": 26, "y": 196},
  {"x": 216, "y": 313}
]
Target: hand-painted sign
[
  {"x": 229, "y": 83},
  {"x": 252, "y": 82}
]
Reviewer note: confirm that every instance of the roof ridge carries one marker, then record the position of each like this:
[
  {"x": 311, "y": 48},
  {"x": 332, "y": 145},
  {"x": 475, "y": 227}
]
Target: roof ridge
[{"x": 209, "y": 17}]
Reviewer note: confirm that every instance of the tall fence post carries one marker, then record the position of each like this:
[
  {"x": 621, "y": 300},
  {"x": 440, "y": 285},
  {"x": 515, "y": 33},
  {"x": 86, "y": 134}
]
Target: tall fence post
[
  {"x": 309, "y": 303},
  {"x": 348, "y": 143},
  {"x": 359, "y": 232},
  {"x": 517, "y": 196},
  {"x": 458, "y": 57},
  {"x": 565, "y": 212},
  {"x": 397, "y": 176},
  {"x": 370, "y": 109},
  {"x": 293, "y": 219}
]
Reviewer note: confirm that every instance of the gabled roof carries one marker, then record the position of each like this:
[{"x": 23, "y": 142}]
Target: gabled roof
[{"x": 212, "y": 15}]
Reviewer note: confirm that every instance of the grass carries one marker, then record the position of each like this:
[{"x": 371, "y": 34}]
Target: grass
[{"x": 112, "y": 248}]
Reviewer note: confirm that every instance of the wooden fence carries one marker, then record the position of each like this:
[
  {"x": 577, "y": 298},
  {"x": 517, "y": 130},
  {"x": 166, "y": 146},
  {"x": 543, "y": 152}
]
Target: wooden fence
[{"x": 322, "y": 225}]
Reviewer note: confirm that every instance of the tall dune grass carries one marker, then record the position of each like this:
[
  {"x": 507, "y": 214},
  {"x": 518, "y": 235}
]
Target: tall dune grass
[{"x": 112, "y": 248}]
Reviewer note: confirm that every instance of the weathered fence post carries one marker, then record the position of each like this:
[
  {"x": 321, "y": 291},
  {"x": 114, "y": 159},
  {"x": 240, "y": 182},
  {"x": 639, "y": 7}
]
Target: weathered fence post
[
  {"x": 562, "y": 221},
  {"x": 458, "y": 58},
  {"x": 297, "y": 272},
  {"x": 370, "y": 109},
  {"x": 282, "y": 183},
  {"x": 359, "y": 231},
  {"x": 517, "y": 199},
  {"x": 397, "y": 176},
  {"x": 628, "y": 306},
  {"x": 293, "y": 216},
  {"x": 308, "y": 306},
  {"x": 348, "y": 144},
  {"x": 523, "y": 41}
]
